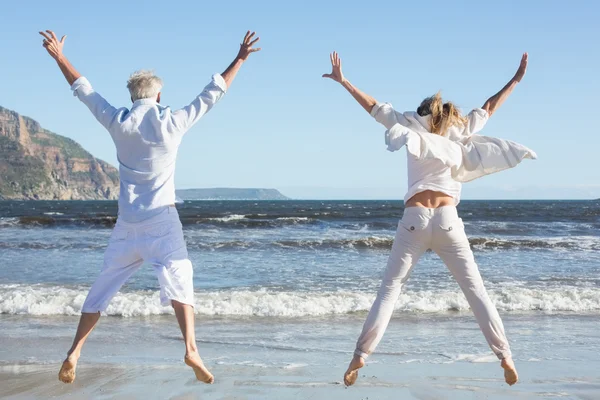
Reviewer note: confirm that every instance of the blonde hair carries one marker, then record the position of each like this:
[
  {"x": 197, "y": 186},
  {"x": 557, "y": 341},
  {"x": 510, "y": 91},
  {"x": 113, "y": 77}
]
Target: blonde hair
[
  {"x": 143, "y": 84},
  {"x": 443, "y": 115}
]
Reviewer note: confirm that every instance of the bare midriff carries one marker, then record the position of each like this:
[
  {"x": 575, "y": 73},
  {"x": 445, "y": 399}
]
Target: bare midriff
[{"x": 430, "y": 199}]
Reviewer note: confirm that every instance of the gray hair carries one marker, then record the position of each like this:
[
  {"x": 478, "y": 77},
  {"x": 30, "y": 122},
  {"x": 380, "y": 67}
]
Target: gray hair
[{"x": 143, "y": 84}]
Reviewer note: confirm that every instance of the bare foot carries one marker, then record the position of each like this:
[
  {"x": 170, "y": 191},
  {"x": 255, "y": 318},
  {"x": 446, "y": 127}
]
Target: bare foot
[
  {"x": 352, "y": 373},
  {"x": 510, "y": 372},
  {"x": 202, "y": 374},
  {"x": 67, "y": 371}
]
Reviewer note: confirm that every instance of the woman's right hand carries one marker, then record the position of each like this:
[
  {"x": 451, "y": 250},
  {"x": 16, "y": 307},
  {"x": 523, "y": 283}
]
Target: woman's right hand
[
  {"x": 336, "y": 68},
  {"x": 246, "y": 46}
]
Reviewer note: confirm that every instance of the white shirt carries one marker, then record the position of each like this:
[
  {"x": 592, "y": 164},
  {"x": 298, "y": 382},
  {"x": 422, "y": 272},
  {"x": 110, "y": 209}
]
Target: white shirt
[
  {"x": 147, "y": 139},
  {"x": 440, "y": 163}
]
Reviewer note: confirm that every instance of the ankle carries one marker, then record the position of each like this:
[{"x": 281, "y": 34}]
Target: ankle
[
  {"x": 358, "y": 360},
  {"x": 508, "y": 361},
  {"x": 191, "y": 351}
]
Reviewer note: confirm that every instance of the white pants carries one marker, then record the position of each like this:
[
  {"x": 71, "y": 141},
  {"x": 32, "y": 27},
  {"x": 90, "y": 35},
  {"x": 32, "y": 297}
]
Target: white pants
[
  {"x": 441, "y": 230},
  {"x": 159, "y": 241}
]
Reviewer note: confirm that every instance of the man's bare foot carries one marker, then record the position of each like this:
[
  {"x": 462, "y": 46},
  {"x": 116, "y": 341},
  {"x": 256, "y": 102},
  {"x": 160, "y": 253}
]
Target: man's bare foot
[
  {"x": 202, "y": 373},
  {"x": 67, "y": 371},
  {"x": 352, "y": 373},
  {"x": 510, "y": 372}
]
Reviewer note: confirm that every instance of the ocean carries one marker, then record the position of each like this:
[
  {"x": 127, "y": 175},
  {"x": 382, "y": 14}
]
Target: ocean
[{"x": 285, "y": 286}]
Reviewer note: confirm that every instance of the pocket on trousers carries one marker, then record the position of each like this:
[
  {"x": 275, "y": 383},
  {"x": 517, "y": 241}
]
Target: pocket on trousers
[
  {"x": 160, "y": 230},
  {"x": 413, "y": 226},
  {"x": 455, "y": 225}
]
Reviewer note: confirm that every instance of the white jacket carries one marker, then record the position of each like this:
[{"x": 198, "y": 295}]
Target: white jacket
[{"x": 469, "y": 156}]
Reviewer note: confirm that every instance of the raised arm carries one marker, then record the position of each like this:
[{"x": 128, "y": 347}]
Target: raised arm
[
  {"x": 55, "y": 49},
  {"x": 367, "y": 102},
  {"x": 494, "y": 102},
  {"x": 183, "y": 119},
  {"x": 245, "y": 50},
  {"x": 100, "y": 108}
]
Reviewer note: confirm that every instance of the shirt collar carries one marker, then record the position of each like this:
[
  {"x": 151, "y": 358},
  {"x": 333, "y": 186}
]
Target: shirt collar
[
  {"x": 417, "y": 122},
  {"x": 149, "y": 101}
]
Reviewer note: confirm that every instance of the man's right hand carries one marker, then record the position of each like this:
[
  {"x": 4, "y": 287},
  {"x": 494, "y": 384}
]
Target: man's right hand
[
  {"x": 246, "y": 46},
  {"x": 55, "y": 49},
  {"x": 52, "y": 44}
]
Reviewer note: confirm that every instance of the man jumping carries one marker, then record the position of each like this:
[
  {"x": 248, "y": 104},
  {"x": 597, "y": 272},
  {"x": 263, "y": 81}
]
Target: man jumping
[{"x": 147, "y": 138}]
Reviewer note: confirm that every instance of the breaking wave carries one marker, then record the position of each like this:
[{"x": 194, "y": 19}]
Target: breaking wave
[{"x": 58, "y": 300}]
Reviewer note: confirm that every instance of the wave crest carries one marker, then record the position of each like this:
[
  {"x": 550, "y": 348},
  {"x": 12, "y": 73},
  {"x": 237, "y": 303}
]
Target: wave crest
[{"x": 48, "y": 300}]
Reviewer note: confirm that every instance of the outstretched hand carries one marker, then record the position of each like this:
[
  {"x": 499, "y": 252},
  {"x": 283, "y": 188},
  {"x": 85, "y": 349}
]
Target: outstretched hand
[
  {"x": 52, "y": 44},
  {"x": 336, "y": 68},
  {"x": 522, "y": 68},
  {"x": 246, "y": 46}
]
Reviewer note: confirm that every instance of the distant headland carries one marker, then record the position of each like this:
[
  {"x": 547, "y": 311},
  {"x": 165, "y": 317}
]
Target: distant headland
[{"x": 230, "y": 194}]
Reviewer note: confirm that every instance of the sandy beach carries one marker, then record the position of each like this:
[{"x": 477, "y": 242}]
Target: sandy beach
[
  {"x": 413, "y": 381},
  {"x": 119, "y": 364}
]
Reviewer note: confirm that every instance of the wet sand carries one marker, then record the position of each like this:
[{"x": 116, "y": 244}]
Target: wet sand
[
  {"x": 142, "y": 358},
  {"x": 376, "y": 381}
]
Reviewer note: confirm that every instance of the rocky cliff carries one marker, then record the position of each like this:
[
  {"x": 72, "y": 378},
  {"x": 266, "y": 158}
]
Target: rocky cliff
[{"x": 36, "y": 164}]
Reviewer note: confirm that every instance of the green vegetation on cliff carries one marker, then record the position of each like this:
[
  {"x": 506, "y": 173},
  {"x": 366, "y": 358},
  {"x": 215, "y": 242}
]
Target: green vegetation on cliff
[{"x": 38, "y": 164}]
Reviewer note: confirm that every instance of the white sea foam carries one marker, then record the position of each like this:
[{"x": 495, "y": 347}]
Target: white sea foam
[
  {"x": 57, "y": 300},
  {"x": 9, "y": 221},
  {"x": 232, "y": 217},
  {"x": 475, "y": 358}
]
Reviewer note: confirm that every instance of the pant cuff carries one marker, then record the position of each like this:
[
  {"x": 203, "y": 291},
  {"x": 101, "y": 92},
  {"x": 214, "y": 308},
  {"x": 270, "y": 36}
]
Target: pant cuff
[
  {"x": 168, "y": 302},
  {"x": 361, "y": 354},
  {"x": 504, "y": 354},
  {"x": 91, "y": 311}
]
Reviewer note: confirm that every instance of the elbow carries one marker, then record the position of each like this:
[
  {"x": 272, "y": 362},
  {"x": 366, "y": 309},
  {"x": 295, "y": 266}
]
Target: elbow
[
  {"x": 370, "y": 106},
  {"x": 487, "y": 107}
]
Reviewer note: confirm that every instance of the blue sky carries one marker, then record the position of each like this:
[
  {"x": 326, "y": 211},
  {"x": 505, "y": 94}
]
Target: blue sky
[{"x": 283, "y": 126}]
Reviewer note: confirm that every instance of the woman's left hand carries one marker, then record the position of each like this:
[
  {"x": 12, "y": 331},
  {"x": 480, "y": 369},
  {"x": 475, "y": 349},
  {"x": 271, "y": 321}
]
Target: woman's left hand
[
  {"x": 522, "y": 68},
  {"x": 336, "y": 68}
]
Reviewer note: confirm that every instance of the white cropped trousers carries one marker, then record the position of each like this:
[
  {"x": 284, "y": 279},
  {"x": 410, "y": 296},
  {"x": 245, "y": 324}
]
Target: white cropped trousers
[{"x": 441, "y": 230}]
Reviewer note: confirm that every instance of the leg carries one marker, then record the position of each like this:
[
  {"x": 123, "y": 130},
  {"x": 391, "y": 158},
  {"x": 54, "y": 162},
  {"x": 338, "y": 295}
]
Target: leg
[
  {"x": 185, "y": 318},
  {"x": 86, "y": 325},
  {"x": 113, "y": 275},
  {"x": 451, "y": 244},
  {"x": 409, "y": 245},
  {"x": 167, "y": 252}
]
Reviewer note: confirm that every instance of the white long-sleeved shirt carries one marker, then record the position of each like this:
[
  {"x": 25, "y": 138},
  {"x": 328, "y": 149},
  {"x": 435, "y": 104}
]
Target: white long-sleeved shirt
[
  {"x": 440, "y": 163},
  {"x": 147, "y": 138}
]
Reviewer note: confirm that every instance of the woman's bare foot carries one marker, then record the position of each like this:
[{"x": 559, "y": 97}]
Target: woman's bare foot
[
  {"x": 510, "y": 372},
  {"x": 67, "y": 371},
  {"x": 352, "y": 373},
  {"x": 202, "y": 373}
]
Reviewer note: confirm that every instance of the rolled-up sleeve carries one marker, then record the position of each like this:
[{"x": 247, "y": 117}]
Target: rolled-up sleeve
[
  {"x": 186, "y": 117},
  {"x": 81, "y": 83},
  {"x": 105, "y": 113},
  {"x": 476, "y": 120},
  {"x": 385, "y": 114}
]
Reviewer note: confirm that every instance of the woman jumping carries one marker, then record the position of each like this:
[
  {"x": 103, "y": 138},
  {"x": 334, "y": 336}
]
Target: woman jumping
[{"x": 442, "y": 152}]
